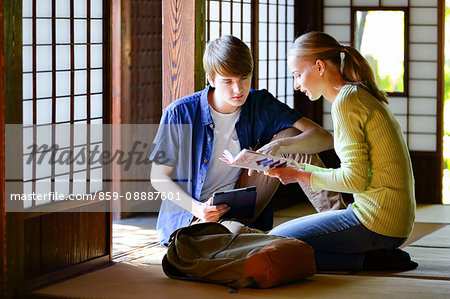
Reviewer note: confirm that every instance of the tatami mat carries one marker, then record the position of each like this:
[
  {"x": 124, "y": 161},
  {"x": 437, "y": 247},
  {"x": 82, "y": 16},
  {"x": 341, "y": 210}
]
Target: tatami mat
[
  {"x": 433, "y": 262},
  {"x": 148, "y": 281},
  {"x": 438, "y": 238},
  {"x": 150, "y": 255},
  {"x": 422, "y": 230},
  {"x": 433, "y": 213}
]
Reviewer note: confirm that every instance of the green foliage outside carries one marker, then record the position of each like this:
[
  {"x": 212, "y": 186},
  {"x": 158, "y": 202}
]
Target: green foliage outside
[{"x": 386, "y": 83}]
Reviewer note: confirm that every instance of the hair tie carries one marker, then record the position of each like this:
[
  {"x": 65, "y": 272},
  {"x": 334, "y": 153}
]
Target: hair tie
[{"x": 342, "y": 54}]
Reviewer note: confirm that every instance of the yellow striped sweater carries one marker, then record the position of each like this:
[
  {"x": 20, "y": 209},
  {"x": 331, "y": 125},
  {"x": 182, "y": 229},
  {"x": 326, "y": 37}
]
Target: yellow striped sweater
[{"x": 375, "y": 163}]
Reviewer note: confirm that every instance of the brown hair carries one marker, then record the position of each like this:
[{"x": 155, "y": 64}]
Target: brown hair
[
  {"x": 356, "y": 70},
  {"x": 227, "y": 55}
]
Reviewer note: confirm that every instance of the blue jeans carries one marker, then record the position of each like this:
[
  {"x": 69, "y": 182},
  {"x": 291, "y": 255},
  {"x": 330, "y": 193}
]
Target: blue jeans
[{"x": 338, "y": 238}]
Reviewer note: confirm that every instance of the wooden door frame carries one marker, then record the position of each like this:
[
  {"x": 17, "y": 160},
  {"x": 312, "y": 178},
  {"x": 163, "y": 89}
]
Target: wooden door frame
[
  {"x": 11, "y": 102},
  {"x": 12, "y": 282}
]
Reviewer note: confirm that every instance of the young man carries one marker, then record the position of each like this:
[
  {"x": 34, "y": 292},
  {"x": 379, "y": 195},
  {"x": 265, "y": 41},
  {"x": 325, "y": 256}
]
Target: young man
[{"x": 227, "y": 114}]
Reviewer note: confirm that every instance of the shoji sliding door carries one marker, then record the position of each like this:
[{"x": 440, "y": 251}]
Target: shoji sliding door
[{"x": 58, "y": 122}]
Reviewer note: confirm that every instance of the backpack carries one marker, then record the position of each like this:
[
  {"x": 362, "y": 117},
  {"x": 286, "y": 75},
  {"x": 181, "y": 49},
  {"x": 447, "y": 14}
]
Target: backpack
[{"x": 210, "y": 252}]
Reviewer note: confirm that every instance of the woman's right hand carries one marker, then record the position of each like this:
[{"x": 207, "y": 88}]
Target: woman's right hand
[
  {"x": 209, "y": 213},
  {"x": 289, "y": 175}
]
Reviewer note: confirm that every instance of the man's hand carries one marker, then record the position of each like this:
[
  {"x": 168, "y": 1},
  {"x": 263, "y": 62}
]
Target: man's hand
[
  {"x": 289, "y": 175},
  {"x": 209, "y": 213}
]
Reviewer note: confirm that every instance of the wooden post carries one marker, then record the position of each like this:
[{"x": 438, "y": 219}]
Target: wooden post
[
  {"x": 183, "y": 44},
  {"x": 255, "y": 42},
  {"x": 11, "y": 111},
  {"x": 2, "y": 162}
]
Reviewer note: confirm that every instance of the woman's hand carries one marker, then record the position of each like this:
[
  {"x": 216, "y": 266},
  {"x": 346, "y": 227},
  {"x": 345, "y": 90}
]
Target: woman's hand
[
  {"x": 273, "y": 148},
  {"x": 289, "y": 175},
  {"x": 209, "y": 213}
]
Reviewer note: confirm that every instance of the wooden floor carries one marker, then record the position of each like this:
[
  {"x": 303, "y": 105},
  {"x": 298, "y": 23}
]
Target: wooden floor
[{"x": 139, "y": 275}]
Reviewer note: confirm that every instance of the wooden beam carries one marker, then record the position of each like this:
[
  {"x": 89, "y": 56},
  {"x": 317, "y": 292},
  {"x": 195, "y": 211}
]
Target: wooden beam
[
  {"x": 183, "y": 44},
  {"x": 428, "y": 176},
  {"x": 440, "y": 96},
  {"x": 2, "y": 162},
  {"x": 119, "y": 76},
  {"x": 308, "y": 17},
  {"x": 12, "y": 113},
  {"x": 255, "y": 42}
]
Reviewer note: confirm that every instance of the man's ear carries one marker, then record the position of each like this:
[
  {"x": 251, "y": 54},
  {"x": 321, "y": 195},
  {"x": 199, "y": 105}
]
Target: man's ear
[
  {"x": 320, "y": 66},
  {"x": 210, "y": 80}
]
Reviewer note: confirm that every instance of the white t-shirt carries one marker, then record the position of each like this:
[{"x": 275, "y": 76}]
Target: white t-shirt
[{"x": 220, "y": 176}]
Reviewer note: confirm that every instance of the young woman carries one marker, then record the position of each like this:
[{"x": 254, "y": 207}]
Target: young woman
[{"x": 375, "y": 163}]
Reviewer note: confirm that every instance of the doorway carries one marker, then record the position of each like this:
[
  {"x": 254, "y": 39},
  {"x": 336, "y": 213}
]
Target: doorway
[{"x": 137, "y": 97}]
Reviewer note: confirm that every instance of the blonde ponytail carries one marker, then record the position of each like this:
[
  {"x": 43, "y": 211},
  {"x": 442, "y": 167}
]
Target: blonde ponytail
[{"x": 356, "y": 70}]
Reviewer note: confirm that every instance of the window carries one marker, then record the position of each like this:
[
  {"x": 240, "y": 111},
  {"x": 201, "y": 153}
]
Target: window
[
  {"x": 268, "y": 29},
  {"x": 276, "y": 35},
  {"x": 379, "y": 35}
]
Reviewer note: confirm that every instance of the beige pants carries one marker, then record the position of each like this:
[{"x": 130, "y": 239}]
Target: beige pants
[{"x": 267, "y": 186}]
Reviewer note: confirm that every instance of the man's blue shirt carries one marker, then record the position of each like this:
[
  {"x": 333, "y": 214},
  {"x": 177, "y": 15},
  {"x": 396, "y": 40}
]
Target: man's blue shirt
[{"x": 185, "y": 138}]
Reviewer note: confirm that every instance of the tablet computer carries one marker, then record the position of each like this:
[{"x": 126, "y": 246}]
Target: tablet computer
[{"x": 242, "y": 202}]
